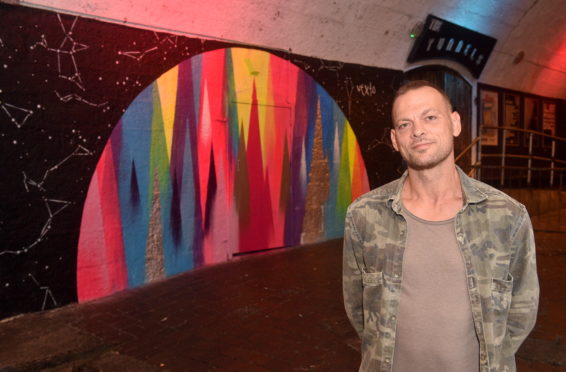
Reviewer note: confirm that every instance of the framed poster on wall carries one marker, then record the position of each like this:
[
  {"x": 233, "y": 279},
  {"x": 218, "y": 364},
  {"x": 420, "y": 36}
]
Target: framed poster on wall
[
  {"x": 531, "y": 119},
  {"x": 512, "y": 118},
  {"x": 489, "y": 115},
  {"x": 548, "y": 120}
]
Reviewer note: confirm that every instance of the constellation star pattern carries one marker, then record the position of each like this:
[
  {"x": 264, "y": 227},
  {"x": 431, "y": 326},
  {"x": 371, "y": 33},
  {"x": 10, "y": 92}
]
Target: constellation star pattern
[
  {"x": 139, "y": 55},
  {"x": 66, "y": 54},
  {"x": 76, "y": 97},
  {"x": 17, "y": 115},
  {"x": 79, "y": 151},
  {"x": 136, "y": 54},
  {"x": 336, "y": 66},
  {"x": 172, "y": 39},
  {"x": 53, "y": 207},
  {"x": 48, "y": 293}
]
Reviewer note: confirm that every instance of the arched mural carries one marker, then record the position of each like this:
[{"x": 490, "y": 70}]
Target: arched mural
[
  {"x": 69, "y": 83},
  {"x": 231, "y": 151}
]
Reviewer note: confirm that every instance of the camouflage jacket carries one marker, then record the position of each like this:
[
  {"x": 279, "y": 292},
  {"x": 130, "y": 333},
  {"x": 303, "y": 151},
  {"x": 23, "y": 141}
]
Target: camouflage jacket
[{"x": 495, "y": 236}]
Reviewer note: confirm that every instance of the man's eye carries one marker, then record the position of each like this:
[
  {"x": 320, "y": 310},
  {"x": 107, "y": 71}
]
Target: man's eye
[
  {"x": 402, "y": 125},
  {"x": 430, "y": 117}
]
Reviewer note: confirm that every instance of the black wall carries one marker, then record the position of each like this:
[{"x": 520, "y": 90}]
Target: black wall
[{"x": 64, "y": 84}]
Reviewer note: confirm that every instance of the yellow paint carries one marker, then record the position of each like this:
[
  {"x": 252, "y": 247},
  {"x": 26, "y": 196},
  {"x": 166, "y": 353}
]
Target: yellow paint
[
  {"x": 251, "y": 65},
  {"x": 167, "y": 88},
  {"x": 243, "y": 89},
  {"x": 351, "y": 145}
]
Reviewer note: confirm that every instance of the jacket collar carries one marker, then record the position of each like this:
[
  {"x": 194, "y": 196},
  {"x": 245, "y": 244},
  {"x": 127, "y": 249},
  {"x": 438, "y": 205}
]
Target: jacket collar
[{"x": 472, "y": 194}]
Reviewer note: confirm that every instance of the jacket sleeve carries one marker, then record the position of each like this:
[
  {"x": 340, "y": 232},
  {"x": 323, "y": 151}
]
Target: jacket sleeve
[
  {"x": 525, "y": 295},
  {"x": 352, "y": 276}
]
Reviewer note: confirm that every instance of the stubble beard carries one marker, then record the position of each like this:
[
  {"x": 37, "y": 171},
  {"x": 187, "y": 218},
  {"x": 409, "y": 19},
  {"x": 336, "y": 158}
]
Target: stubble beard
[{"x": 415, "y": 162}]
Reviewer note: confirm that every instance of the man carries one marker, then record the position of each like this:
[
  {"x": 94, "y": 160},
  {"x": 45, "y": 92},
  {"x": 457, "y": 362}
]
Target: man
[{"x": 439, "y": 269}]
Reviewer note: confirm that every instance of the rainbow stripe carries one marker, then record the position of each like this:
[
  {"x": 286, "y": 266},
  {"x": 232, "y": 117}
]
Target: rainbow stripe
[{"x": 231, "y": 151}]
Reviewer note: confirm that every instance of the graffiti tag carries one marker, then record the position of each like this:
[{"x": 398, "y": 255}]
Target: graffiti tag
[{"x": 366, "y": 89}]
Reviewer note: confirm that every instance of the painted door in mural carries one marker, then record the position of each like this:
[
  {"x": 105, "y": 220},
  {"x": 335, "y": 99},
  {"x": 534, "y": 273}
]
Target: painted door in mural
[{"x": 233, "y": 150}]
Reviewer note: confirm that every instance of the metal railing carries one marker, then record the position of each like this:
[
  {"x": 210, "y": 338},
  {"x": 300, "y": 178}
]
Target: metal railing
[{"x": 532, "y": 156}]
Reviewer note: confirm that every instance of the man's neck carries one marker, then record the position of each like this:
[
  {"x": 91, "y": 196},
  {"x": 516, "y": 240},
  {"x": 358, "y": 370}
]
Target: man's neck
[{"x": 433, "y": 194}]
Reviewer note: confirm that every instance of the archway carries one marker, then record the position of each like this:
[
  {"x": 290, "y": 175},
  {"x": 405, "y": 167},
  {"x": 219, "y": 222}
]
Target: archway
[{"x": 231, "y": 151}]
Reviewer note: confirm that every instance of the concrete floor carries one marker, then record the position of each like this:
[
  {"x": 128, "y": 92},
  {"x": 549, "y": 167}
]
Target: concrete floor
[{"x": 280, "y": 311}]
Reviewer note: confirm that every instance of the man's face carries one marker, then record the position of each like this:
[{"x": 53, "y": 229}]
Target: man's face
[{"x": 424, "y": 128}]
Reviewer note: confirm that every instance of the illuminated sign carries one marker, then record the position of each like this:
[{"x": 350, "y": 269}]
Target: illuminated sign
[{"x": 441, "y": 39}]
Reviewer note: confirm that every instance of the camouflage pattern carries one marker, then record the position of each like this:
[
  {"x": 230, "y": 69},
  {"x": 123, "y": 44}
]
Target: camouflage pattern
[{"x": 495, "y": 236}]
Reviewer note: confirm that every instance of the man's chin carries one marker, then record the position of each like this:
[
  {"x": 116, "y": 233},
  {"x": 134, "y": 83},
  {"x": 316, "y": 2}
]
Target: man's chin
[
  {"x": 421, "y": 166},
  {"x": 424, "y": 164}
]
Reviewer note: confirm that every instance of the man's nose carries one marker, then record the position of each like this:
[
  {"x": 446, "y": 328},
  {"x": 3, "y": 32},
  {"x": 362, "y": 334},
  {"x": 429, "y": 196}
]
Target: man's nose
[{"x": 418, "y": 129}]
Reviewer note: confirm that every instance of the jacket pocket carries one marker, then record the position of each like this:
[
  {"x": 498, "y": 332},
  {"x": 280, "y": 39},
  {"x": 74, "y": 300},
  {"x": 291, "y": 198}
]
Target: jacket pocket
[
  {"x": 372, "y": 279},
  {"x": 501, "y": 294},
  {"x": 373, "y": 288}
]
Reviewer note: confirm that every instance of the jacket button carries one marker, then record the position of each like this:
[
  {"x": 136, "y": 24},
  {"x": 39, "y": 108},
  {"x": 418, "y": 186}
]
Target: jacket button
[{"x": 471, "y": 282}]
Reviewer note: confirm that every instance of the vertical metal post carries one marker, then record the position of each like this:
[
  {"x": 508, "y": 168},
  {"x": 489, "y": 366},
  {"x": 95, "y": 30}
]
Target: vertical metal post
[
  {"x": 530, "y": 158},
  {"x": 502, "y": 177},
  {"x": 478, "y": 160},
  {"x": 552, "y": 162}
]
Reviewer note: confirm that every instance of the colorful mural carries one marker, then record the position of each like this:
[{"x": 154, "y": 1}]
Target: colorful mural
[
  {"x": 130, "y": 155},
  {"x": 233, "y": 150}
]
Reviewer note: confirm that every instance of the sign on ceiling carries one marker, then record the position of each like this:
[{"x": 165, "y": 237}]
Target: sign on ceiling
[{"x": 441, "y": 39}]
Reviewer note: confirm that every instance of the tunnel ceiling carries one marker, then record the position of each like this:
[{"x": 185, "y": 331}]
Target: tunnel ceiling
[{"x": 530, "y": 54}]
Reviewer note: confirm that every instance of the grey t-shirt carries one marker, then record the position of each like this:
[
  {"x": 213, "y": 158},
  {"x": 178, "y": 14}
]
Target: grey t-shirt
[{"x": 435, "y": 330}]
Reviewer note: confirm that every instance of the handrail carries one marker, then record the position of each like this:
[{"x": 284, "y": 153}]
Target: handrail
[
  {"x": 552, "y": 169},
  {"x": 524, "y": 167},
  {"x": 468, "y": 148},
  {"x": 523, "y": 130},
  {"x": 519, "y": 156}
]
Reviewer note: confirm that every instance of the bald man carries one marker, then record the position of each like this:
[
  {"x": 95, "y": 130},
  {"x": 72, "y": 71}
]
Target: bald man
[{"x": 439, "y": 269}]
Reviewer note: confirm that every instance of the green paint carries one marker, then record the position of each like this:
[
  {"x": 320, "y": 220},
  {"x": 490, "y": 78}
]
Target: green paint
[{"x": 344, "y": 197}]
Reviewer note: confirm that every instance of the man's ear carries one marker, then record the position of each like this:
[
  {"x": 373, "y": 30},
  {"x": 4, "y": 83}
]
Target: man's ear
[
  {"x": 456, "y": 124},
  {"x": 393, "y": 139}
]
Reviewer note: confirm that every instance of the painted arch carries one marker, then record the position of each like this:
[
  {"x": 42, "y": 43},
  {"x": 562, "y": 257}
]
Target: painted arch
[{"x": 231, "y": 151}]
